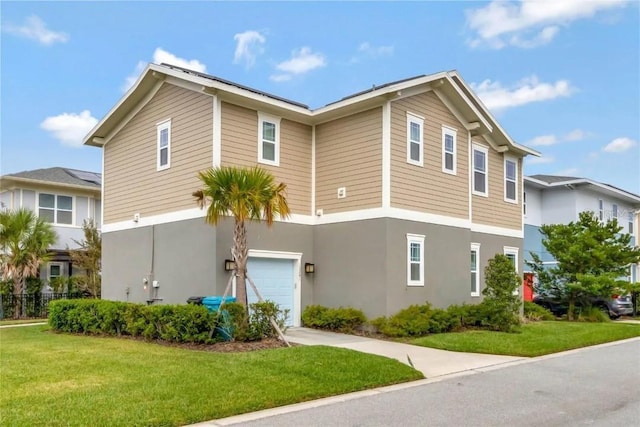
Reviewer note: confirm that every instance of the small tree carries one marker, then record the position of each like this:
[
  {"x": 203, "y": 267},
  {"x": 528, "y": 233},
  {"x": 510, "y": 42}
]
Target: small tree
[
  {"x": 591, "y": 256},
  {"x": 501, "y": 303},
  {"x": 87, "y": 258}
]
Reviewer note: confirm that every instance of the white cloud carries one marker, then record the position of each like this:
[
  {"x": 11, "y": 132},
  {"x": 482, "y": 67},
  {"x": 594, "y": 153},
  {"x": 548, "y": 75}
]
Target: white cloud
[
  {"x": 567, "y": 172},
  {"x": 161, "y": 56},
  {"x": 302, "y": 61},
  {"x": 546, "y": 140},
  {"x": 366, "y": 50},
  {"x": 619, "y": 145},
  {"x": 540, "y": 160},
  {"x": 528, "y": 90},
  {"x": 34, "y": 28},
  {"x": 249, "y": 45},
  {"x": 529, "y": 23},
  {"x": 70, "y": 128}
]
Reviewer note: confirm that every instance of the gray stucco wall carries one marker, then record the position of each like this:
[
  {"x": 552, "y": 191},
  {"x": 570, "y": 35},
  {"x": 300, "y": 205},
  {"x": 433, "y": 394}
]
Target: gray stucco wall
[{"x": 490, "y": 245}]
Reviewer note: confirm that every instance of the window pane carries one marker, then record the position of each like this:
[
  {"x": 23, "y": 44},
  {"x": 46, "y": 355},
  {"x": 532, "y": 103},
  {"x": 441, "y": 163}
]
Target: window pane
[
  {"x": 164, "y": 156},
  {"x": 415, "y": 152},
  {"x": 415, "y": 271},
  {"x": 46, "y": 214},
  {"x": 47, "y": 201},
  {"x": 512, "y": 258},
  {"x": 415, "y": 252},
  {"x": 415, "y": 132},
  {"x": 474, "y": 289},
  {"x": 478, "y": 161},
  {"x": 448, "y": 161},
  {"x": 55, "y": 271},
  {"x": 511, "y": 190},
  {"x": 614, "y": 208},
  {"x": 474, "y": 265},
  {"x": 448, "y": 143},
  {"x": 64, "y": 217},
  {"x": 164, "y": 137},
  {"x": 65, "y": 202},
  {"x": 269, "y": 151},
  {"x": 511, "y": 170},
  {"x": 479, "y": 184},
  {"x": 269, "y": 131}
]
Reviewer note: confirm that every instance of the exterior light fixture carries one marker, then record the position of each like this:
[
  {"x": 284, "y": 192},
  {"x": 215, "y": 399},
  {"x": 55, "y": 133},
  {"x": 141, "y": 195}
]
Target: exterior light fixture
[
  {"x": 309, "y": 268},
  {"x": 229, "y": 265}
]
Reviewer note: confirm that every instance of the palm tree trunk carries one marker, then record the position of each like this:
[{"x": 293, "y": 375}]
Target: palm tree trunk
[{"x": 240, "y": 254}]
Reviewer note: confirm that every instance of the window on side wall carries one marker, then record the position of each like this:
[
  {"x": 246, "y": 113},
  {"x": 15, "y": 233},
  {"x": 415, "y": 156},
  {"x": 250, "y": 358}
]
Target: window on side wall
[
  {"x": 164, "y": 145},
  {"x": 449, "y": 150},
  {"x": 512, "y": 254},
  {"x": 510, "y": 180},
  {"x": 600, "y": 210},
  {"x": 614, "y": 211},
  {"x": 524, "y": 203},
  {"x": 54, "y": 271},
  {"x": 415, "y": 260},
  {"x": 480, "y": 171},
  {"x": 415, "y": 126},
  {"x": 630, "y": 217},
  {"x": 475, "y": 271},
  {"x": 268, "y": 140},
  {"x": 55, "y": 209}
]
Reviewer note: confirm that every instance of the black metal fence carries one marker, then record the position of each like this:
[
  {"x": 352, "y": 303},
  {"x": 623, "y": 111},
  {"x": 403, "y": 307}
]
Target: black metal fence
[{"x": 31, "y": 306}]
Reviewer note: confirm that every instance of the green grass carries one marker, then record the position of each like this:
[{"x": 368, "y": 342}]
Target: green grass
[
  {"x": 534, "y": 339},
  {"x": 21, "y": 321},
  {"x": 55, "y": 379}
]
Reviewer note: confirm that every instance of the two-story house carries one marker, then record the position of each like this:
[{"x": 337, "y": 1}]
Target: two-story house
[
  {"x": 399, "y": 194},
  {"x": 65, "y": 198},
  {"x": 550, "y": 199}
]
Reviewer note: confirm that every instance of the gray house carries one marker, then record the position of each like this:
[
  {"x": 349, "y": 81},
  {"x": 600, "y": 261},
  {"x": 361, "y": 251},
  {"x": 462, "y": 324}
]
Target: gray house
[{"x": 400, "y": 194}]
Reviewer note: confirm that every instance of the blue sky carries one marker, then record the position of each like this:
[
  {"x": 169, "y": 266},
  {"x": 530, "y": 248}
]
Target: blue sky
[{"x": 562, "y": 77}]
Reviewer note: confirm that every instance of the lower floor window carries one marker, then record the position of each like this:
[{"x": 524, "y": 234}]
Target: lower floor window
[
  {"x": 475, "y": 275},
  {"x": 415, "y": 260},
  {"x": 55, "y": 271}
]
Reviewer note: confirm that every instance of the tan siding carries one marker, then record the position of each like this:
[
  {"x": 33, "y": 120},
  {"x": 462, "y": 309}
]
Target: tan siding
[
  {"x": 349, "y": 154},
  {"x": 427, "y": 188},
  {"x": 132, "y": 183},
  {"x": 493, "y": 210},
  {"x": 240, "y": 148}
]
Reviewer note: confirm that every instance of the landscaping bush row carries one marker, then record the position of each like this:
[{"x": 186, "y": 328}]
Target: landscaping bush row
[
  {"x": 173, "y": 323},
  {"x": 333, "y": 319}
]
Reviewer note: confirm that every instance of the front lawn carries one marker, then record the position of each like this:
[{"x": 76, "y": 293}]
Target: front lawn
[
  {"x": 56, "y": 379},
  {"x": 534, "y": 339}
]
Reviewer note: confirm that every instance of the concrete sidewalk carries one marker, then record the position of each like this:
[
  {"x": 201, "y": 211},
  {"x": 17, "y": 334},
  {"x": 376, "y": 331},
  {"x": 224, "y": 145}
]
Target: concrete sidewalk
[{"x": 431, "y": 362}]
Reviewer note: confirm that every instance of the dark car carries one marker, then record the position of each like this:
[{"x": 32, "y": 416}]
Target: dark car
[{"x": 614, "y": 307}]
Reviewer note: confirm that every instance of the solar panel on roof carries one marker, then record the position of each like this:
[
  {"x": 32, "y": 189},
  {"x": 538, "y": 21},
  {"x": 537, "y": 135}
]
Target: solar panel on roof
[{"x": 86, "y": 176}]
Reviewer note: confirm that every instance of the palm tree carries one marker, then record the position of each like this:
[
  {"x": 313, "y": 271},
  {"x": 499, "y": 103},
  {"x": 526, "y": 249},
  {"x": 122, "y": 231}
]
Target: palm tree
[
  {"x": 245, "y": 194},
  {"x": 24, "y": 245}
]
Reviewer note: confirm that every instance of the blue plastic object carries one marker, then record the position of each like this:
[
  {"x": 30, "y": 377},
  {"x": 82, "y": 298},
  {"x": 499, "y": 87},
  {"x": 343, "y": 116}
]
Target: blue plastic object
[
  {"x": 225, "y": 330},
  {"x": 213, "y": 303}
]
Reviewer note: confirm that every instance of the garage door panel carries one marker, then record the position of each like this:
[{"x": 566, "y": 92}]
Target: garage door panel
[{"x": 274, "y": 279}]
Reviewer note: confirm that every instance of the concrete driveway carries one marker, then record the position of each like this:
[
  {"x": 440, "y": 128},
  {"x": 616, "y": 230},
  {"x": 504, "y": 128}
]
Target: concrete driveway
[{"x": 431, "y": 362}]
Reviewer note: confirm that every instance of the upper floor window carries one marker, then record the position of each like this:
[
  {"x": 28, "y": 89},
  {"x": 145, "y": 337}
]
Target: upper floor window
[
  {"x": 268, "y": 140},
  {"x": 614, "y": 211},
  {"x": 164, "y": 144},
  {"x": 55, "y": 209},
  {"x": 448, "y": 150},
  {"x": 630, "y": 217},
  {"x": 524, "y": 203},
  {"x": 415, "y": 260},
  {"x": 480, "y": 170},
  {"x": 600, "y": 209},
  {"x": 415, "y": 126},
  {"x": 510, "y": 180}
]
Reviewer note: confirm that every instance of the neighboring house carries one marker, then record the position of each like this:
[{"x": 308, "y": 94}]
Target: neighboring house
[
  {"x": 65, "y": 198},
  {"x": 550, "y": 199},
  {"x": 399, "y": 194}
]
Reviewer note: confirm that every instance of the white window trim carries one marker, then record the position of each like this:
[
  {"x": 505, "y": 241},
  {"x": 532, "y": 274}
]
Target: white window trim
[
  {"x": 59, "y": 264},
  {"x": 475, "y": 247},
  {"x": 512, "y": 250},
  {"x": 515, "y": 162},
  {"x": 276, "y": 121},
  {"x": 486, "y": 170},
  {"x": 414, "y": 118},
  {"x": 55, "y": 208},
  {"x": 454, "y": 133},
  {"x": 415, "y": 238},
  {"x": 165, "y": 124}
]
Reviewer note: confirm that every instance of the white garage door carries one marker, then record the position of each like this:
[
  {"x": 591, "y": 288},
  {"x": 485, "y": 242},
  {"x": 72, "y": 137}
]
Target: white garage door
[{"x": 274, "y": 278}]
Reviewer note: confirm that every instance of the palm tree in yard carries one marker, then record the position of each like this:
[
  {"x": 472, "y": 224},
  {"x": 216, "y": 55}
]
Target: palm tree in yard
[
  {"x": 245, "y": 194},
  {"x": 24, "y": 245}
]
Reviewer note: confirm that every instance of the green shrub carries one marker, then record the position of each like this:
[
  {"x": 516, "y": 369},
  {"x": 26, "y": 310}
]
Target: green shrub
[
  {"x": 466, "y": 316},
  {"x": 417, "y": 320},
  {"x": 592, "y": 314},
  {"x": 342, "y": 319},
  {"x": 535, "y": 313},
  {"x": 500, "y": 307}
]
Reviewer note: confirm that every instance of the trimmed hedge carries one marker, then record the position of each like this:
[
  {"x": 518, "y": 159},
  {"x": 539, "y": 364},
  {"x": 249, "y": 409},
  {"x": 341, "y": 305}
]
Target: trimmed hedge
[
  {"x": 174, "y": 323},
  {"x": 418, "y": 320},
  {"x": 343, "y": 319}
]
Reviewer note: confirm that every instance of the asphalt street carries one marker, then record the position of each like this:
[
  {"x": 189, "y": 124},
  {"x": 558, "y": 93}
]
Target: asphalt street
[{"x": 595, "y": 386}]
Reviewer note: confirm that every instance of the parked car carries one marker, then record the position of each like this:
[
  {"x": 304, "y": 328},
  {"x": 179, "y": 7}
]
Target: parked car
[{"x": 614, "y": 307}]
